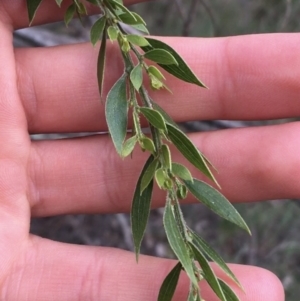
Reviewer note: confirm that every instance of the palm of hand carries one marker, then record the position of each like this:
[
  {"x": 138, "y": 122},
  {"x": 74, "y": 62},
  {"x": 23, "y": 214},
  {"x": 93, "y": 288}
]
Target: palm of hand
[{"x": 47, "y": 178}]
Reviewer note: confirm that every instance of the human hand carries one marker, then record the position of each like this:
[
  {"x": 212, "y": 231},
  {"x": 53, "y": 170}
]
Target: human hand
[{"x": 55, "y": 90}]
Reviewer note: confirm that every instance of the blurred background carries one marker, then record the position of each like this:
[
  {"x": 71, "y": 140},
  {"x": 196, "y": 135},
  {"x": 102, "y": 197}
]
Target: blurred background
[{"x": 275, "y": 225}]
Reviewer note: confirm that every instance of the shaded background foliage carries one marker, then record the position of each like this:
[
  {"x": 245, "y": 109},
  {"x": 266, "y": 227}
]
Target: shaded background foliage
[{"x": 275, "y": 225}]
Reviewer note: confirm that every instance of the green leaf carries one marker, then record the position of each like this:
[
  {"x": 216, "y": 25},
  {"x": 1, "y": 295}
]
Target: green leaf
[
  {"x": 154, "y": 117},
  {"x": 116, "y": 113},
  {"x": 123, "y": 8},
  {"x": 148, "y": 175},
  {"x": 140, "y": 210},
  {"x": 81, "y": 9},
  {"x": 209, "y": 274},
  {"x": 181, "y": 172},
  {"x": 166, "y": 154},
  {"x": 140, "y": 27},
  {"x": 69, "y": 14},
  {"x": 202, "y": 245},
  {"x": 216, "y": 202},
  {"x": 136, "y": 76},
  {"x": 160, "y": 56},
  {"x": 177, "y": 243},
  {"x": 137, "y": 40},
  {"x": 101, "y": 63},
  {"x": 182, "y": 70},
  {"x": 228, "y": 292},
  {"x": 139, "y": 18},
  {"x": 168, "y": 287},
  {"x": 32, "y": 6},
  {"x": 128, "y": 146},
  {"x": 111, "y": 6},
  {"x": 128, "y": 19},
  {"x": 189, "y": 151},
  {"x": 97, "y": 30},
  {"x": 165, "y": 115}
]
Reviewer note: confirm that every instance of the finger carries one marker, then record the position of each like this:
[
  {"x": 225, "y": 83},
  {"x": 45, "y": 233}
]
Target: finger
[
  {"x": 69, "y": 272},
  {"x": 14, "y": 151},
  {"x": 246, "y": 81},
  {"x": 87, "y": 176},
  {"x": 15, "y": 12}
]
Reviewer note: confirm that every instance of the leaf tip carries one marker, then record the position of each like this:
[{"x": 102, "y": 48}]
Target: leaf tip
[{"x": 137, "y": 253}]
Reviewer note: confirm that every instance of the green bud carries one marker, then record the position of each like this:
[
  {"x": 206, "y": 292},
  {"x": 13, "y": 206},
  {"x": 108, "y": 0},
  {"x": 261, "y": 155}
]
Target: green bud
[
  {"x": 155, "y": 83},
  {"x": 181, "y": 192},
  {"x": 168, "y": 184},
  {"x": 160, "y": 177},
  {"x": 112, "y": 33},
  {"x": 155, "y": 72},
  {"x": 125, "y": 46},
  {"x": 147, "y": 144}
]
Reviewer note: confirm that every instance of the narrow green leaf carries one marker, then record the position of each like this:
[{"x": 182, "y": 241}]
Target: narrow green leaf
[
  {"x": 168, "y": 287},
  {"x": 209, "y": 163},
  {"x": 181, "y": 172},
  {"x": 141, "y": 27},
  {"x": 201, "y": 244},
  {"x": 177, "y": 243},
  {"x": 119, "y": 5},
  {"x": 182, "y": 70},
  {"x": 81, "y": 9},
  {"x": 69, "y": 14},
  {"x": 209, "y": 274},
  {"x": 140, "y": 210},
  {"x": 154, "y": 117},
  {"x": 128, "y": 146},
  {"x": 216, "y": 202},
  {"x": 116, "y": 113},
  {"x": 112, "y": 7},
  {"x": 228, "y": 292},
  {"x": 148, "y": 175},
  {"x": 97, "y": 30},
  {"x": 101, "y": 63},
  {"x": 166, "y": 154},
  {"x": 165, "y": 115},
  {"x": 160, "y": 56},
  {"x": 139, "y": 18},
  {"x": 128, "y": 19},
  {"x": 189, "y": 151},
  {"x": 136, "y": 76},
  {"x": 32, "y": 6},
  {"x": 137, "y": 40}
]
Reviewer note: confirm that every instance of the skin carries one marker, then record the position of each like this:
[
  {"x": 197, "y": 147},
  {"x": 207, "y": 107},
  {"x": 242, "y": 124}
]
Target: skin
[{"x": 55, "y": 90}]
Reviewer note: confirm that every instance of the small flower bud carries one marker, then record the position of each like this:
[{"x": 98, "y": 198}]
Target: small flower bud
[
  {"x": 125, "y": 46},
  {"x": 155, "y": 83}
]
